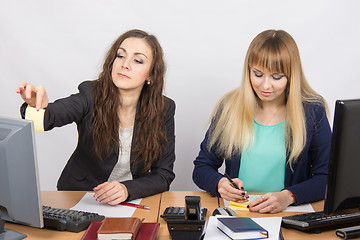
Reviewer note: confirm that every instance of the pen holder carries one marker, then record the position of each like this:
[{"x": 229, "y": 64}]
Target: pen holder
[{"x": 183, "y": 229}]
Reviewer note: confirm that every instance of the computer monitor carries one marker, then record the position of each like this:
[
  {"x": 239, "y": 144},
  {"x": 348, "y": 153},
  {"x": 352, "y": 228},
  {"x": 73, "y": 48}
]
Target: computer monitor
[
  {"x": 20, "y": 200},
  {"x": 343, "y": 191}
]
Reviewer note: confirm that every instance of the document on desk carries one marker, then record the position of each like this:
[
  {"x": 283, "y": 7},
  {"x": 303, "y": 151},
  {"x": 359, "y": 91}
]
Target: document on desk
[
  {"x": 271, "y": 224},
  {"x": 89, "y": 204},
  {"x": 300, "y": 208}
]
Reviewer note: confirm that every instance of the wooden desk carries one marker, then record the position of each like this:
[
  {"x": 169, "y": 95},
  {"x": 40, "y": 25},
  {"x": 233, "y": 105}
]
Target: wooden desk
[
  {"x": 68, "y": 199},
  {"x": 157, "y": 203}
]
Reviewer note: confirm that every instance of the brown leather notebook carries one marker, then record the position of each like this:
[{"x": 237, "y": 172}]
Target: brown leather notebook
[{"x": 119, "y": 228}]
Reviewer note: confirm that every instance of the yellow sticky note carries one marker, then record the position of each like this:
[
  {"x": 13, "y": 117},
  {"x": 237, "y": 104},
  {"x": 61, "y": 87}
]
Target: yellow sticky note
[
  {"x": 37, "y": 117},
  {"x": 239, "y": 206}
]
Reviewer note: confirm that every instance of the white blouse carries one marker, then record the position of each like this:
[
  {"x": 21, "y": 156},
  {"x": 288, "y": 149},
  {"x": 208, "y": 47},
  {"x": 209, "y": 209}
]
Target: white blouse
[{"x": 121, "y": 171}]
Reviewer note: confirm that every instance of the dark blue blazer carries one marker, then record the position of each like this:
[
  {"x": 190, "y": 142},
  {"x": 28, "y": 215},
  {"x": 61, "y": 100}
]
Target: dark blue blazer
[{"x": 308, "y": 176}]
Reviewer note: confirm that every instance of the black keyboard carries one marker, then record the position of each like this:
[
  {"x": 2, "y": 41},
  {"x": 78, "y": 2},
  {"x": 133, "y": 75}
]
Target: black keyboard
[
  {"x": 317, "y": 221},
  {"x": 68, "y": 220}
]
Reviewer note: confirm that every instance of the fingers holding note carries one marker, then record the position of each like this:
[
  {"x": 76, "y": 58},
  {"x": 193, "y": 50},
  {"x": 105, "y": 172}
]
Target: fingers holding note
[{"x": 34, "y": 96}]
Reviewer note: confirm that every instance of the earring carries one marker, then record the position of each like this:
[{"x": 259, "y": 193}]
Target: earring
[{"x": 148, "y": 82}]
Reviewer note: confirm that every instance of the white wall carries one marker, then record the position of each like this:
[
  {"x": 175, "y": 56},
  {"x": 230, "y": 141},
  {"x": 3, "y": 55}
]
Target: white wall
[{"x": 60, "y": 43}]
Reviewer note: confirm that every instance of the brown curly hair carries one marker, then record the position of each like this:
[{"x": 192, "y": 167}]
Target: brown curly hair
[{"x": 150, "y": 128}]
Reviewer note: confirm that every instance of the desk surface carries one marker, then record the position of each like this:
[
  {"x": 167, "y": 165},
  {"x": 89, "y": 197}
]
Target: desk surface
[{"x": 157, "y": 203}]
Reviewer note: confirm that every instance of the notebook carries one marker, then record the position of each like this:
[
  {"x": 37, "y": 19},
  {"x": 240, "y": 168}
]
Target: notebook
[
  {"x": 241, "y": 228},
  {"x": 271, "y": 224},
  {"x": 119, "y": 228}
]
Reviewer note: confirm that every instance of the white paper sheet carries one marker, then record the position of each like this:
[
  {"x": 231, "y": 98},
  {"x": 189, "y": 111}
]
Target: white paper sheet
[
  {"x": 89, "y": 204},
  {"x": 271, "y": 224},
  {"x": 300, "y": 208}
]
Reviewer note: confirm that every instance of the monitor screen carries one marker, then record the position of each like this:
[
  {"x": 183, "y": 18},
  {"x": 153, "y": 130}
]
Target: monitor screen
[
  {"x": 343, "y": 191},
  {"x": 20, "y": 200}
]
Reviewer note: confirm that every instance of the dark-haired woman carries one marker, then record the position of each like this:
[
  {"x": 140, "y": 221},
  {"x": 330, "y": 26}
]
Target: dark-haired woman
[{"x": 126, "y": 143}]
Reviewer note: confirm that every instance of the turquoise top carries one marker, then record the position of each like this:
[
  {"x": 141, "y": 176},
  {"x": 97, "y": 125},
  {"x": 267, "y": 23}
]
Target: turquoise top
[{"x": 262, "y": 165}]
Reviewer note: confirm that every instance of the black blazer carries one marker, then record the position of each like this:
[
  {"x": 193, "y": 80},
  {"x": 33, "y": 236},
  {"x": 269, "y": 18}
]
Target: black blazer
[{"x": 84, "y": 170}]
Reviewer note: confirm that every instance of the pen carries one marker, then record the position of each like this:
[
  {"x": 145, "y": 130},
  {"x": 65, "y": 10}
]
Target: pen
[
  {"x": 134, "y": 205},
  {"x": 243, "y": 194},
  {"x": 227, "y": 176}
]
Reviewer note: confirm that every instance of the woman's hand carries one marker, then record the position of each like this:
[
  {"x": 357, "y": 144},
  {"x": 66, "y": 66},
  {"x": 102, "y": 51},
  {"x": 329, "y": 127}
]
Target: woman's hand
[
  {"x": 34, "y": 96},
  {"x": 111, "y": 193},
  {"x": 272, "y": 202},
  {"x": 228, "y": 192}
]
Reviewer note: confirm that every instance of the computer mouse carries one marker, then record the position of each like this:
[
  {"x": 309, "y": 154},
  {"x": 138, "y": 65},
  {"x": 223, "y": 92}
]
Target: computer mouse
[{"x": 224, "y": 211}]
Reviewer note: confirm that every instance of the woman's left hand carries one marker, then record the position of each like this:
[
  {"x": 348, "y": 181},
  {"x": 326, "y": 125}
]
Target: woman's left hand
[
  {"x": 111, "y": 193},
  {"x": 272, "y": 202}
]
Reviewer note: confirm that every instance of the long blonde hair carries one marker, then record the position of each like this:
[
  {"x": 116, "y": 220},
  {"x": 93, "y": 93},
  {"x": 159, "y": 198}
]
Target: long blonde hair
[{"x": 232, "y": 128}]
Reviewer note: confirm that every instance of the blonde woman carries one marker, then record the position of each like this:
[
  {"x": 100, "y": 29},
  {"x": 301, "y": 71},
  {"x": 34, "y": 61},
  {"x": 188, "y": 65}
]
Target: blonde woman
[{"x": 272, "y": 132}]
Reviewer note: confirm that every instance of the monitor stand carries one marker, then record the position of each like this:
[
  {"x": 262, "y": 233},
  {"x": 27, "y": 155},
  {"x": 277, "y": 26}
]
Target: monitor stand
[{"x": 7, "y": 234}]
